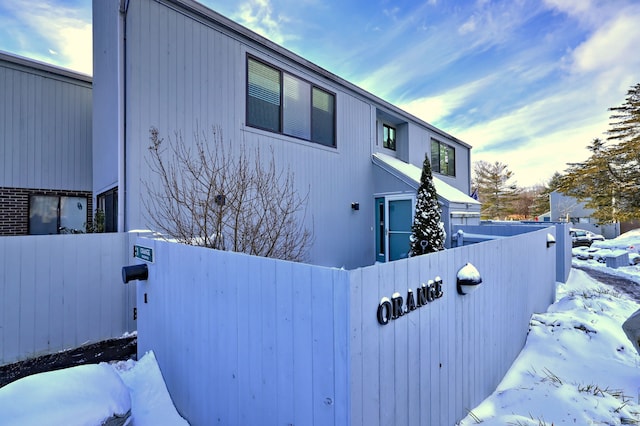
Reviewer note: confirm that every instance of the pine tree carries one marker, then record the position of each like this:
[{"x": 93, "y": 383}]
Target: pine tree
[
  {"x": 427, "y": 232},
  {"x": 590, "y": 181},
  {"x": 496, "y": 193},
  {"x": 609, "y": 180},
  {"x": 624, "y": 157}
]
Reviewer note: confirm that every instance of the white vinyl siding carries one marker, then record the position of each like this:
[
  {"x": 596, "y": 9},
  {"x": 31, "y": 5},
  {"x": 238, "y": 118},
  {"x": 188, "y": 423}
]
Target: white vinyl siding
[{"x": 45, "y": 128}]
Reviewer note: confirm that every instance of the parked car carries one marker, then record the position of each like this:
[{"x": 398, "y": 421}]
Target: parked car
[
  {"x": 594, "y": 237},
  {"x": 579, "y": 238}
]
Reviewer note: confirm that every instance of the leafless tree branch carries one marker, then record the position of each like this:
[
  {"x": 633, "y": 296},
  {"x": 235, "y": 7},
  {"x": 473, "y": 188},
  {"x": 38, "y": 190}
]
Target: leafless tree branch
[{"x": 204, "y": 195}]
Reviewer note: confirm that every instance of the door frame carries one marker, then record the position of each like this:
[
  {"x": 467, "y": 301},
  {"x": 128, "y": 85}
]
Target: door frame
[{"x": 381, "y": 242}]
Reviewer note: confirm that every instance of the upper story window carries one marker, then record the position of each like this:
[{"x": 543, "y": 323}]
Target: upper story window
[
  {"x": 388, "y": 137},
  {"x": 282, "y": 103},
  {"x": 443, "y": 158}
]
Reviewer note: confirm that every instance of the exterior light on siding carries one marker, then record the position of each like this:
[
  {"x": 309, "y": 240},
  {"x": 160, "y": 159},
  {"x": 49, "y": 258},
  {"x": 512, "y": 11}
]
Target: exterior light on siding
[
  {"x": 468, "y": 279},
  {"x": 355, "y": 206},
  {"x": 550, "y": 240},
  {"x": 135, "y": 272}
]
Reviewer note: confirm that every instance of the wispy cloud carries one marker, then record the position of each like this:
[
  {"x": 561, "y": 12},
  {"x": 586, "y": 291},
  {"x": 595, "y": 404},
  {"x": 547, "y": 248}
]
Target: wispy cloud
[
  {"x": 51, "y": 29},
  {"x": 541, "y": 105},
  {"x": 610, "y": 55},
  {"x": 259, "y": 15},
  {"x": 433, "y": 52},
  {"x": 556, "y": 128},
  {"x": 435, "y": 108}
]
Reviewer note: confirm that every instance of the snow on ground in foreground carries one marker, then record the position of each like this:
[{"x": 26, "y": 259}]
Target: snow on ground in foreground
[
  {"x": 90, "y": 394},
  {"x": 83, "y": 395},
  {"x": 150, "y": 399},
  {"x": 577, "y": 366}
]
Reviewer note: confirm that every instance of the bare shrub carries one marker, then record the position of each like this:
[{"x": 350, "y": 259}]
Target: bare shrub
[{"x": 208, "y": 197}]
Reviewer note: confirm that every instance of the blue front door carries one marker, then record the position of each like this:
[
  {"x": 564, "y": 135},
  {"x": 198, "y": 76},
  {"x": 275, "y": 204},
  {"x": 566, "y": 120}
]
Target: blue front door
[
  {"x": 400, "y": 219},
  {"x": 393, "y": 219}
]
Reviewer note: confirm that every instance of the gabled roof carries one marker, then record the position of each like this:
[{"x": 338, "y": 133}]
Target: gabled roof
[
  {"x": 411, "y": 174},
  {"x": 245, "y": 33},
  {"x": 42, "y": 68}
]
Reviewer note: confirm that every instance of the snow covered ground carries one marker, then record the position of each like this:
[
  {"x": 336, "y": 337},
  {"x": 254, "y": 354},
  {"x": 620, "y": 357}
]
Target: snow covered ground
[
  {"x": 577, "y": 368},
  {"x": 90, "y": 394}
]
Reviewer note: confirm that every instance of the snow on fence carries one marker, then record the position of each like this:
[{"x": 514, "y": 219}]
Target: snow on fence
[
  {"x": 61, "y": 291},
  {"x": 243, "y": 340}
]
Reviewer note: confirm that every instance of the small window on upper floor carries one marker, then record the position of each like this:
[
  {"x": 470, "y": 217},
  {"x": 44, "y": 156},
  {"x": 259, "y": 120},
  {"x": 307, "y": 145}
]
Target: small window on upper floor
[
  {"x": 443, "y": 158},
  {"x": 388, "y": 137},
  {"x": 283, "y": 103}
]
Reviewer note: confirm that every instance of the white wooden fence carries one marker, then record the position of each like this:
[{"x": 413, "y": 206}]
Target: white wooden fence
[
  {"x": 245, "y": 340},
  {"x": 252, "y": 341},
  {"x": 61, "y": 291}
]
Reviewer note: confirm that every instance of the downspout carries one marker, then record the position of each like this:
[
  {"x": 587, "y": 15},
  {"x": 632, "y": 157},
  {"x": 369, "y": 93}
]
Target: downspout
[
  {"x": 470, "y": 173},
  {"x": 122, "y": 116}
]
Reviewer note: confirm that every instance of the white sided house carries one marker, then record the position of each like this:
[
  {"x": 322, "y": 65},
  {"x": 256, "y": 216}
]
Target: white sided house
[
  {"x": 45, "y": 148},
  {"x": 180, "y": 67},
  {"x": 568, "y": 209}
]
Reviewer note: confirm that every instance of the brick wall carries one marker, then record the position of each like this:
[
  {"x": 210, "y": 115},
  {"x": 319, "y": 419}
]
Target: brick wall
[{"x": 14, "y": 207}]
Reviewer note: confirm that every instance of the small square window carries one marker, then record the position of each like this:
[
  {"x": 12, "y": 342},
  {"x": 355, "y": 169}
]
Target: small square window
[
  {"x": 388, "y": 137},
  {"x": 443, "y": 158}
]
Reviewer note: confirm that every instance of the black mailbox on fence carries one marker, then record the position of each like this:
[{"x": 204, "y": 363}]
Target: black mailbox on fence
[{"x": 135, "y": 272}]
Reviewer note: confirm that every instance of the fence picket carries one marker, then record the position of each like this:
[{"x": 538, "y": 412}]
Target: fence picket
[{"x": 57, "y": 294}]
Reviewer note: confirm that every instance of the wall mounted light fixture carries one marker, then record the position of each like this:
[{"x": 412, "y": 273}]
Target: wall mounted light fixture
[
  {"x": 551, "y": 240},
  {"x": 355, "y": 206},
  {"x": 468, "y": 279}
]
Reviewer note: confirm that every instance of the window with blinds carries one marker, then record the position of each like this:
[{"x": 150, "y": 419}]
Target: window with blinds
[
  {"x": 282, "y": 103},
  {"x": 296, "y": 116},
  {"x": 263, "y": 97}
]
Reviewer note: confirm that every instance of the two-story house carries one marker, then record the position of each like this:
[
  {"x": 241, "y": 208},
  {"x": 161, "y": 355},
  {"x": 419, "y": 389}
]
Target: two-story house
[{"x": 180, "y": 67}]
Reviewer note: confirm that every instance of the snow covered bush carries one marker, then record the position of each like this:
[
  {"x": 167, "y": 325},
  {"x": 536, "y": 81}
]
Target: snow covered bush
[{"x": 427, "y": 232}]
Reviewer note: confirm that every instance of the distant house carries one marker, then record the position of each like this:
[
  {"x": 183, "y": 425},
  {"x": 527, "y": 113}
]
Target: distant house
[
  {"x": 544, "y": 217},
  {"x": 45, "y": 148},
  {"x": 178, "y": 66},
  {"x": 568, "y": 209}
]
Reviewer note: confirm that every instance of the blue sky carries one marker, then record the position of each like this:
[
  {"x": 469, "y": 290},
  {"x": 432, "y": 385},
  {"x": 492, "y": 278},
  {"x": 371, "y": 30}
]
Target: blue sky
[{"x": 525, "y": 82}]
